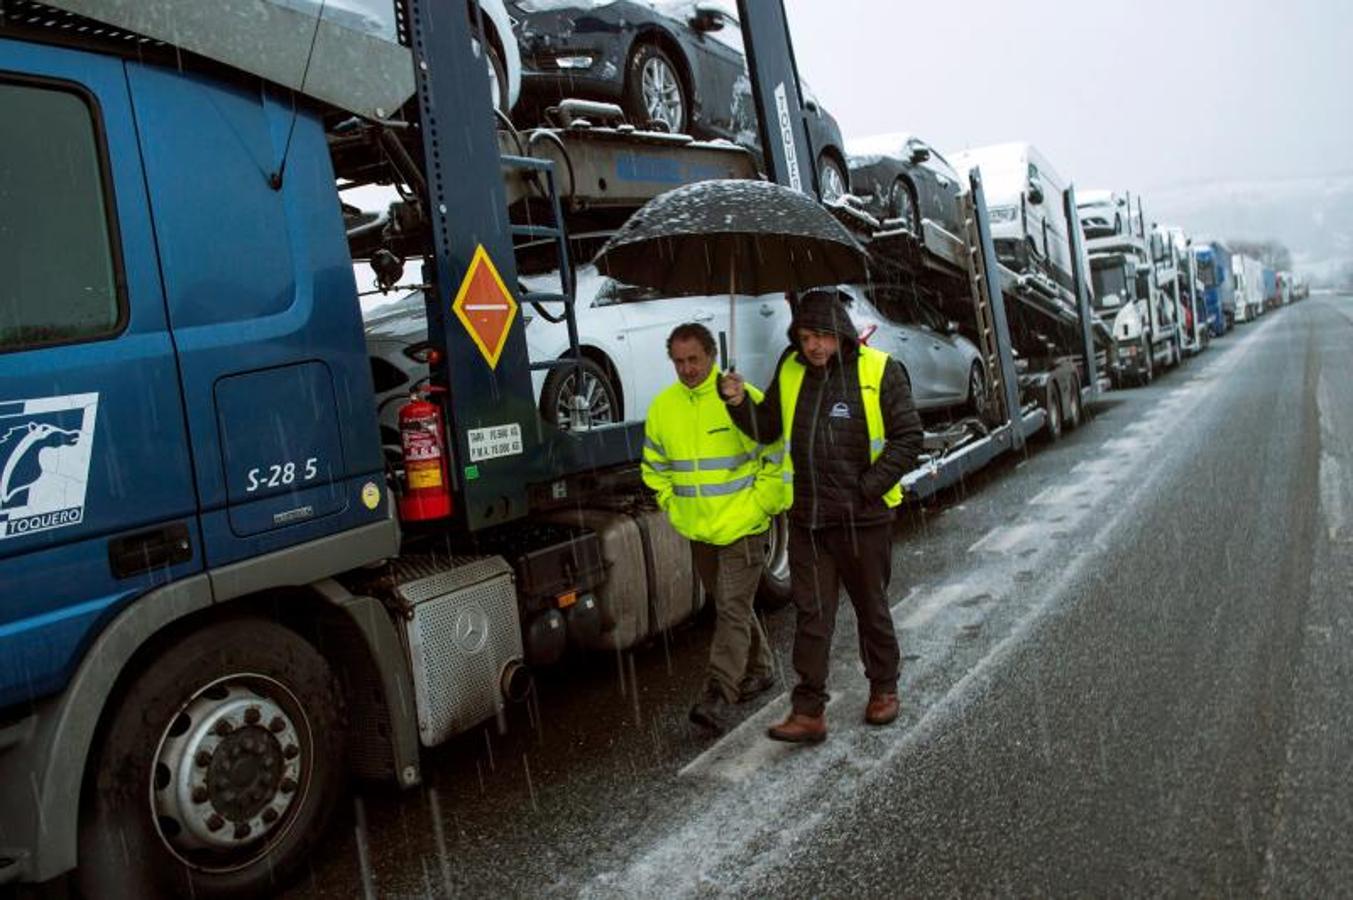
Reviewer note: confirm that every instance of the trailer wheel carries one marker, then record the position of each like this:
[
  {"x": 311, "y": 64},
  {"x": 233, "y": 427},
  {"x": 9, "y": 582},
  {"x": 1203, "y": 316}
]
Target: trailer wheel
[
  {"x": 772, "y": 592},
  {"x": 218, "y": 770},
  {"x": 1052, "y": 405},
  {"x": 1073, "y": 405}
]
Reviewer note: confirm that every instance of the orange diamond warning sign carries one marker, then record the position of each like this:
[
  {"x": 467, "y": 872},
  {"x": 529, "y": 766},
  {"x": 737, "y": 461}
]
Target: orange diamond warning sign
[{"x": 485, "y": 306}]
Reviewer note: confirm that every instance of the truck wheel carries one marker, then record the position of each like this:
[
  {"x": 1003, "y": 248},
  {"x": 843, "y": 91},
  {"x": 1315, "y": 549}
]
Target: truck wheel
[
  {"x": 1052, "y": 405},
  {"x": 218, "y": 770},
  {"x": 1149, "y": 363},
  {"x": 772, "y": 593},
  {"x": 561, "y": 390},
  {"x": 1073, "y": 405}
]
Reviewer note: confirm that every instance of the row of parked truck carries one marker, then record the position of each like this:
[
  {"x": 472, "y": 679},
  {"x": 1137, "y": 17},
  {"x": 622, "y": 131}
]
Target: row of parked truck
[{"x": 252, "y": 544}]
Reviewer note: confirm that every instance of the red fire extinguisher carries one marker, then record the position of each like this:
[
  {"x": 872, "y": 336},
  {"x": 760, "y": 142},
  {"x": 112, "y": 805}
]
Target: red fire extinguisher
[{"x": 427, "y": 493}]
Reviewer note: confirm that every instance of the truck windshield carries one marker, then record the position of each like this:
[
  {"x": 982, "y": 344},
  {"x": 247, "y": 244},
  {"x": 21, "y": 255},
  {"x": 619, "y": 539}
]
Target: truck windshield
[
  {"x": 1206, "y": 271},
  {"x": 1110, "y": 284}
]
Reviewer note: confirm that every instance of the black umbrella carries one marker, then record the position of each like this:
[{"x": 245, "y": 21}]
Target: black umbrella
[{"x": 754, "y": 236}]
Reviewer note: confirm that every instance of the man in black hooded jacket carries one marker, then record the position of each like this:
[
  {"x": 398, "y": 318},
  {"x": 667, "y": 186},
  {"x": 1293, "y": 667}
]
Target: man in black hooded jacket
[{"x": 853, "y": 431}]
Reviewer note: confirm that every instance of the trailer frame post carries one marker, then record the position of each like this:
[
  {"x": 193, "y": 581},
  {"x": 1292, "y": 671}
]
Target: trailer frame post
[
  {"x": 1082, "y": 292},
  {"x": 992, "y": 280},
  {"x": 467, "y": 209},
  {"x": 789, "y": 156}
]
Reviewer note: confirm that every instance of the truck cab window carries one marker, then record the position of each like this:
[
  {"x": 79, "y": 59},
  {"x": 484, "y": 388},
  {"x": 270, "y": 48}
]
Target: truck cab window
[{"x": 56, "y": 250}]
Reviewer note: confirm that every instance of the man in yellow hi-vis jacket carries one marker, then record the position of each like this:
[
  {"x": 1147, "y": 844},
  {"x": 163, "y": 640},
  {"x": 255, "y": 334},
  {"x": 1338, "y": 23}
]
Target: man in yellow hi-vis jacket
[{"x": 719, "y": 489}]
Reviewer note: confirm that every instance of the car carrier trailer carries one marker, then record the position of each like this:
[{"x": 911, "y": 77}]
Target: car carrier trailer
[
  {"x": 212, "y": 613},
  {"x": 1041, "y": 382}
]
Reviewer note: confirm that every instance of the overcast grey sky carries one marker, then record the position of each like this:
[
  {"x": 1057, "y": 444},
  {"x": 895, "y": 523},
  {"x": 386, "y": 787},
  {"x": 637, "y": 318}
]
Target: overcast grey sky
[{"x": 1135, "y": 95}]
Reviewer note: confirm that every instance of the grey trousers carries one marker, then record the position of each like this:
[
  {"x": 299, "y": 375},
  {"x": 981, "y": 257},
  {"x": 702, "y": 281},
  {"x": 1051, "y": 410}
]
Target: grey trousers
[{"x": 731, "y": 573}]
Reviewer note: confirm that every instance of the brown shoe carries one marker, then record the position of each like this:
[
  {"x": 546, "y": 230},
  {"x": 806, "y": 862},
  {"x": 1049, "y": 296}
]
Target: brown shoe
[
  {"x": 800, "y": 729},
  {"x": 882, "y": 709}
]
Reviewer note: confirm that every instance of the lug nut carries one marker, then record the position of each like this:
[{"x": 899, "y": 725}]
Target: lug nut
[
  {"x": 199, "y": 794},
  {"x": 215, "y": 823},
  {"x": 252, "y": 715},
  {"x": 241, "y": 830},
  {"x": 203, "y": 759},
  {"x": 291, "y": 751},
  {"x": 287, "y": 786},
  {"x": 270, "y": 815},
  {"x": 277, "y": 724},
  {"x": 223, "y": 727}
]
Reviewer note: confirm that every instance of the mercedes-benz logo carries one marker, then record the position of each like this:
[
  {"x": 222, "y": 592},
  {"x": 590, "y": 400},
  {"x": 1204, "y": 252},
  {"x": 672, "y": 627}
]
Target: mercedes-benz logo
[{"x": 472, "y": 629}]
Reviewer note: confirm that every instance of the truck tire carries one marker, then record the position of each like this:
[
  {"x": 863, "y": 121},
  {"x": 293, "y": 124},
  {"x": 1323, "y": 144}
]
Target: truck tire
[
  {"x": 1073, "y": 405},
  {"x": 217, "y": 771},
  {"x": 1149, "y": 362},
  {"x": 1052, "y": 405},
  {"x": 772, "y": 592}
]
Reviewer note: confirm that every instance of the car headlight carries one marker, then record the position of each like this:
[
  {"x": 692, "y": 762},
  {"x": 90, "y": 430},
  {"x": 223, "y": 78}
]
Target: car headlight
[{"x": 581, "y": 61}]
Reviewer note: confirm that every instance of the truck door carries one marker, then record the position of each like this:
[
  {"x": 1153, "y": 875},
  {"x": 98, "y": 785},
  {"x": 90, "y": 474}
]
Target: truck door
[
  {"x": 263, "y": 309},
  {"x": 96, "y": 495}
]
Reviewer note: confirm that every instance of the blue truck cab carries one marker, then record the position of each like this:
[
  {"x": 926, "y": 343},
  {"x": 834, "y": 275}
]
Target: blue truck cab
[
  {"x": 186, "y": 407},
  {"x": 1219, "y": 284}
]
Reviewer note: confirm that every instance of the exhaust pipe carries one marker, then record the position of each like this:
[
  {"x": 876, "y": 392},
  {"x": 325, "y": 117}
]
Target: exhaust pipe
[{"x": 516, "y": 681}]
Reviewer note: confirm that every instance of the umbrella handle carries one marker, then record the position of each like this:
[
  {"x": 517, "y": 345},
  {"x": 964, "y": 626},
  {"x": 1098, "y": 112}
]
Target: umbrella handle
[{"x": 732, "y": 313}]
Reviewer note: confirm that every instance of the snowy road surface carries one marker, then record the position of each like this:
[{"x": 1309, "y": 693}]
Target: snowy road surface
[{"x": 1126, "y": 669}]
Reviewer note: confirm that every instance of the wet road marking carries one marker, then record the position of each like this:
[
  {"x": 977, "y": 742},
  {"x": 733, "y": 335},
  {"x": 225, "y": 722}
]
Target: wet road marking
[{"x": 782, "y": 782}]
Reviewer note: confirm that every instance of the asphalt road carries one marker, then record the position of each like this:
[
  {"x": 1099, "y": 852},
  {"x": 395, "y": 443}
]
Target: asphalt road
[{"x": 1126, "y": 666}]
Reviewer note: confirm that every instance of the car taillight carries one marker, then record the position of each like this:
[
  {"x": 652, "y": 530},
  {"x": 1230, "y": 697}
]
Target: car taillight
[{"x": 424, "y": 353}]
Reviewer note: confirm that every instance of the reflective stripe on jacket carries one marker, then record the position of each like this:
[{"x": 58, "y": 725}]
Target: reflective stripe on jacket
[
  {"x": 715, "y": 484},
  {"x": 871, "y": 365}
]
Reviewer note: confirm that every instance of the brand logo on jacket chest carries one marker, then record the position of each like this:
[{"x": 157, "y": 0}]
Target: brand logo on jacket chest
[{"x": 840, "y": 410}]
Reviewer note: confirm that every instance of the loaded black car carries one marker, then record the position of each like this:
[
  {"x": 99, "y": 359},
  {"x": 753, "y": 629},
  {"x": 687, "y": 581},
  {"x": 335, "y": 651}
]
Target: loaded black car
[
  {"x": 672, "y": 64},
  {"x": 899, "y": 176}
]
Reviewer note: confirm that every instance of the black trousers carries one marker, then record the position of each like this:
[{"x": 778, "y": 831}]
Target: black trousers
[{"x": 821, "y": 560}]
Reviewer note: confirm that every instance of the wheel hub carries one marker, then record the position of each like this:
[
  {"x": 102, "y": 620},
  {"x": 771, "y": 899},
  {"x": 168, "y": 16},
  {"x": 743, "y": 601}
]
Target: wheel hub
[{"x": 227, "y": 771}]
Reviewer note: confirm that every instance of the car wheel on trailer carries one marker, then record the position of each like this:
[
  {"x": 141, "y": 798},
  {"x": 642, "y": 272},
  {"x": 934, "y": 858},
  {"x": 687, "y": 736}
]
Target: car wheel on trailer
[
  {"x": 654, "y": 91},
  {"x": 597, "y": 393},
  {"x": 1052, "y": 405},
  {"x": 977, "y": 391},
  {"x": 831, "y": 179},
  {"x": 498, "y": 91},
  {"x": 902, "y": 205},
  {"x": 772, "y": 593},
  {"x": 218, "y": 769}
]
